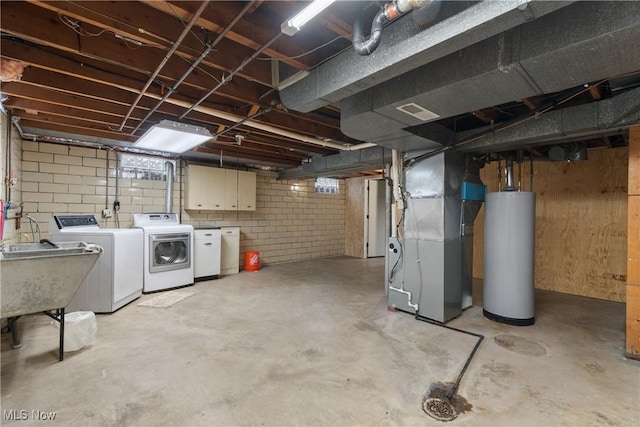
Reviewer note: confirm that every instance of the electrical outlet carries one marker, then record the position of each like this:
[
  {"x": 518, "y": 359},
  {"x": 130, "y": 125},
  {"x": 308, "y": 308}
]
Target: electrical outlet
[{"x": 107, "y": 213}]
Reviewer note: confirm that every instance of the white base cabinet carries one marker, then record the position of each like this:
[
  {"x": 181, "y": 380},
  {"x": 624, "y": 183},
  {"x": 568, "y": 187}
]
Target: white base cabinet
[
  {"x": 207, "y": 247},
  {"x": 230, "y": 251}
]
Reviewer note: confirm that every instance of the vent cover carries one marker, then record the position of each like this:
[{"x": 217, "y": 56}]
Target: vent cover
[{"x": 417, "y": 111}]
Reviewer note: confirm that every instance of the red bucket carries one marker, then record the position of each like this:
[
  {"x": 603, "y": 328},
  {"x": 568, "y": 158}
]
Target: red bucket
[{"x": 251, "y": 261}]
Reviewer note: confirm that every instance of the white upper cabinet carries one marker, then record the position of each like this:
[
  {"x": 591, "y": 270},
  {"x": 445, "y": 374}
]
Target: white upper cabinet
[{"x": 208, "y": 188}]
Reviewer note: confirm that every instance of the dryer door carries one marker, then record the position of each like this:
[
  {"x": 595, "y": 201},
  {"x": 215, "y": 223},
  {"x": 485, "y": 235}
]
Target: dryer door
[{"x": 170, "y": 251}]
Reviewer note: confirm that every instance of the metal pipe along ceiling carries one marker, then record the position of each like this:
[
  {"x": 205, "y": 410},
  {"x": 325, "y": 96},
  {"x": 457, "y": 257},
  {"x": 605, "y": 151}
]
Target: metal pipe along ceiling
[
  {"x": 268, "y": 128},
  {"x": 153, "y": 76},
  {"x": 232, "y": 74},
  {"x": 193, "y": 66}
]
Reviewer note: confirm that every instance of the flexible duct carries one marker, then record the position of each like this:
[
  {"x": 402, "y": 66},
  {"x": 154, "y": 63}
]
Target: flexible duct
[
  {"x": 362, "y": 46},
  {"x": 169, "y": 189},
  {"x": 389, "y": 12}
]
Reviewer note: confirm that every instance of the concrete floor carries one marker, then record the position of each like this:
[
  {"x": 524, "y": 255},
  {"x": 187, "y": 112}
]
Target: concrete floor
[{"x": 312, "y": 344}]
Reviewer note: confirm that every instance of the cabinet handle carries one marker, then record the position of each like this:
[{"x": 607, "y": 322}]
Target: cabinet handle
[
  {"x": 233, "y": 206},
  {"x": 208, "y": 234},
  {"x": 217, "y": 206},
  {"x": 208, "y": 244}
]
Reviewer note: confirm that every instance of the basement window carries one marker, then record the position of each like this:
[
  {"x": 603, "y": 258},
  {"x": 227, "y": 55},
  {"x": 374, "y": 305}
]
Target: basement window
[
  {"x": 327, "y": 185},
  {"x": 144, "y": 167}
]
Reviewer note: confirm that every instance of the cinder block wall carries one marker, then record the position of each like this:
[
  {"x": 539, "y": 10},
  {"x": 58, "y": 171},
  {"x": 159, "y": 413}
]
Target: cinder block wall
[{"x": 287, "y": 225}]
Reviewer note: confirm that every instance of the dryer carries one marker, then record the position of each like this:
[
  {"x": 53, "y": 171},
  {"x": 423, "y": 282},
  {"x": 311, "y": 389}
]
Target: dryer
[
  {"x": 168, "y": 251},
  {"x": 116, "y": 279}
]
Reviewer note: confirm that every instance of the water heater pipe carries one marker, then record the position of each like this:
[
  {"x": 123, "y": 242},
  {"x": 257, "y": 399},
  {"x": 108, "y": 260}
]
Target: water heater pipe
[{"x": 509, "y": 177}]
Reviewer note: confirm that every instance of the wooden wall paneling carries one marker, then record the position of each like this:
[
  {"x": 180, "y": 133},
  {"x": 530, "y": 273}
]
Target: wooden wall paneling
[
  {"x": 581, "y": 224},
  {"x": 633, "y": 247},
  {"x": 354, "y": 217}
]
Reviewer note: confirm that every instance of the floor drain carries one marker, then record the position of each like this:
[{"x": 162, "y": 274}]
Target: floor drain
[{"x": 439, "y": 409}]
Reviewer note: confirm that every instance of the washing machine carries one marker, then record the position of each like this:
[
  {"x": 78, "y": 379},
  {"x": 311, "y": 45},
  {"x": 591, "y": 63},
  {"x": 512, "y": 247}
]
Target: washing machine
[{"x": 116, "y": 279}]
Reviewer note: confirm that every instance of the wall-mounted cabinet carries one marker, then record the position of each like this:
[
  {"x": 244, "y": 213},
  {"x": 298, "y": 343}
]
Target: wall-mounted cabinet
[{"x": 208, "y": 188}]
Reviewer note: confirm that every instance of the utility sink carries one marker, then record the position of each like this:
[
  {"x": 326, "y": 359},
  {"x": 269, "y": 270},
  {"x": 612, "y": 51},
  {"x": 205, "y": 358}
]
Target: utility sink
[
  {"x": 42, "y": 276},
  {"x": 44, "y": 249}
]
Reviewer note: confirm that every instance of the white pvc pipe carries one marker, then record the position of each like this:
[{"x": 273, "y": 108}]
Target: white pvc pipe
[{"x": 268, "y": 128}]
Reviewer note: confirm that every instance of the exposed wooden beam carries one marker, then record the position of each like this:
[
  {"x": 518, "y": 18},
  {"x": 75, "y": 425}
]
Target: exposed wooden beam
[
  {"x": 44, "y": 28},
  {"x": 151, "y": 27},
  {"x": 529, "y": 102},
  {"x": 259, "y": 35},
  {"x": 254, "y": 109}
]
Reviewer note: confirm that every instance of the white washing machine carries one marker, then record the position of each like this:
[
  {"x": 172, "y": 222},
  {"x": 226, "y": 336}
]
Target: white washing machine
[
  {"x": 168, "y": 251},
  {"x": 116, "y": 279}
]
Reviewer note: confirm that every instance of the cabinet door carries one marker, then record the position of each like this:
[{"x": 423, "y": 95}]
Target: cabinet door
[
  {"x": 197, "y": 188},
  {"x": 230, "y": 251},
  {"x": 231, "y": 190},
  {"x": 246, "y": 191},
  {"x": 216, "y": 188}
]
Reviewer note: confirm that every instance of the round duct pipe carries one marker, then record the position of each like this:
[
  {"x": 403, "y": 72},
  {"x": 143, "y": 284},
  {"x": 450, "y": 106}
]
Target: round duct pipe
[
  {"x": 169, "y": 187},
  {"x": 388, "y": 13}
]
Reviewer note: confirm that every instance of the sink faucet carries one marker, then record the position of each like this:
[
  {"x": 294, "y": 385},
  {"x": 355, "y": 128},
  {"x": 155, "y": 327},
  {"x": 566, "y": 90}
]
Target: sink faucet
[{"x": 31, "y": 222}]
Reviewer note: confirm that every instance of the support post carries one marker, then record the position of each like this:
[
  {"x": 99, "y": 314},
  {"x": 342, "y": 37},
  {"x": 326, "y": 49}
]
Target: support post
[{"x": 633, "y": 247}]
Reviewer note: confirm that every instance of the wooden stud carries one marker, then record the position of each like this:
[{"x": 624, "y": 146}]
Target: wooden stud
[
  {"x": 633, "y": 241},
  {"x": 633, "y": 247},
  {"x": 633, "y": 322},
  {"x": 594, "y": 91},
  {"x": 634, "y": 161}
]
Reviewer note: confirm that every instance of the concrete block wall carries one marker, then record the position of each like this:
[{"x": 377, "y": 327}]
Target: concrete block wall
[
  {"x": 62, "y": 179},
  {"x": 287, "y": 225}
]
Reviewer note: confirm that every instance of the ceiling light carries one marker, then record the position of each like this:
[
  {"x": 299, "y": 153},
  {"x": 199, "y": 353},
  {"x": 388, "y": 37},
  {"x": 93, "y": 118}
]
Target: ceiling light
[
  {"x": 293, "y": 25},
  {"x": 172, "y": 137}
]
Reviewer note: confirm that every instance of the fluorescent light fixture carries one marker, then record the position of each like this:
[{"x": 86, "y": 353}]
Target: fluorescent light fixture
[
  {"x": 172, "y": 137},
  {"x": 293, "y": 25}
]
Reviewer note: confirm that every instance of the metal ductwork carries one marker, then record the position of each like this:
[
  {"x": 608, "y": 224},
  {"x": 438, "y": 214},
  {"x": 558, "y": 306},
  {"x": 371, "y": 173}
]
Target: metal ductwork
[
  {"x": 415, "y": 39},
  {"x": 341, "y": 164},
  {"x": 538, "y": 57},
  {"x": 592, "y": 120}
]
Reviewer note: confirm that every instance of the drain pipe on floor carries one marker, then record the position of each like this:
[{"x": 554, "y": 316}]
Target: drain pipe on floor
[{"x": 480, "y": 337}]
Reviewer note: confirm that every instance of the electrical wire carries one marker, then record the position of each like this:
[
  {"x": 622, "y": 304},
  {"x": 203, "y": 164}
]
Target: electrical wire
[
  {"x": 203, "y": 42},
  {"x": 268, "y": 58},
  {"x": 77, "y": 27}
]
